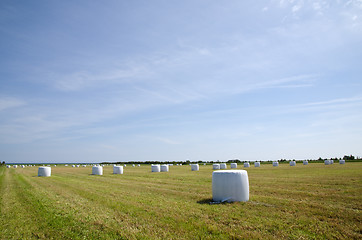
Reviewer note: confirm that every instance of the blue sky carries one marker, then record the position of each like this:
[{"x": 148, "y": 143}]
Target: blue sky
[{"x": 92, "y": 81}]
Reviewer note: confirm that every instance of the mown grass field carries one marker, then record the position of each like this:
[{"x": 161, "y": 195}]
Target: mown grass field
[{"x": 302, "y": 202}]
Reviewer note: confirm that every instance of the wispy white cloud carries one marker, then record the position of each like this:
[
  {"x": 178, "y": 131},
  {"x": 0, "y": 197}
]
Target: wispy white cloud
[{"x": 9, "y": 102}]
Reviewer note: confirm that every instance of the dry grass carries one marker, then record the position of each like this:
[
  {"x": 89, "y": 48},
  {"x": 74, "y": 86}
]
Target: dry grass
[{"x": 302, "y": 202}]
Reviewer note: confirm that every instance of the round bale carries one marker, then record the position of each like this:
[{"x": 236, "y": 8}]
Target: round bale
[
  {"x": 292, "y": 163},
  {"x": 155, "y": 168},
  {"x": 246, "y": 164},
  {"x": 216, "y": 166},
  {"x": 275, "y": 164},
  {"x": 44, "y": 171},
  {"x": 230, "y": 186},
  {"x": 327, "y": 162},
  {"x": 234, "y": 165},
  {"x": 342, "y": 161},
  {"x": 97, "y": 170},
  {"x": 257, "y": 164},
  {"x": 194, "y": 167},
  {"x": 305, "y": 162},
  {"x": 223, "y": 166},
  {"x": 164, "y": 168},
  {"x": 117, "y": 169}
]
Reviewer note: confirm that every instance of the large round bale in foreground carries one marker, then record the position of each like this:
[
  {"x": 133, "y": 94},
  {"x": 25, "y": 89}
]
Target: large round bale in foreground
[
  {"x": 194, "y": 167},
  {"x": 292, "y": 163},
  {"x": 117, "y": 169},
  {"x": 305, "y": 162},
  {"x": 327, "y": 162},
  {"x": 246, "y": 164},
  {"x": 164, "y": 168},
  {"x": 155, "y": 168},
  {"x": 216, "y": 166},
  {"x": 223, "y": 166},
  {"x": 230, "y": 186},
  {"x": 342, "y": 161},
  {"x": 44, "y": 171},
  {"x": 97, "y": 170},
  {"x": 233, "y": 165},
  {"x": 257, "y": 164},
  {"x": 275, "y": 164}
]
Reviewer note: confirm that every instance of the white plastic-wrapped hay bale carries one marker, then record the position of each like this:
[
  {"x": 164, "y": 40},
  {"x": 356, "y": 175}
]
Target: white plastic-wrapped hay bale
[
  {"x": 332, "y": 161},
  {"x": 125, "y": 165},
  {"x": 15, "y": 166},
  {"x": 84, "y": 165},
  {"x": 327, "y": 162},
  {"x": 73, "y": 165},
  {"x": 97, "y": 170},
  {"x": 22, "y": 166},
  {"x": 233, "y": 165},
  {"x": 78, "y": 166},
  {"x": 133, "y": 165},
  {"x": 223, "y": 166},
  {"x": 275, "y": 164},
  {"x": 194, "y": 167},
  {"x": 117, "y": 169},
  {"x": 66, "y": 165},
  {"x": 292, "y": 163},
  {"x": 155, "y": 168},
  {"x": 246, "y": 164},
  {"x": 139, "y": 165},
  {"x": 230, "y": 186},
  {"x": 342, "y": 161},
  {"x": 305, "y": 162},
  {"x": 44, "y": 171},
  {"x": 216, "y": 166},
  {"x": 8, "y": 166},
  {"x": 164, "y": 168},
  {"x": 257, "y": 164}
]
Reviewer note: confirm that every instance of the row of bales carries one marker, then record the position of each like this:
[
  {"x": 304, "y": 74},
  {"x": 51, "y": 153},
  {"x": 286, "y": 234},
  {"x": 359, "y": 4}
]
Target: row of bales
[{"x": 227, "y": 185}]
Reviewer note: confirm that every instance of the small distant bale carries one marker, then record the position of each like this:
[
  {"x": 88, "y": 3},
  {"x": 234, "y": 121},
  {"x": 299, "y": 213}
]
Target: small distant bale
[
  {"x": 233, "y": 165},
  {"x": 155, "y": 168},
  {"x": 223, "y": 166},
  {"x": 257, "y": 164},
  {"x": 275, "y": 164},
  {"x": 97, "y": 170},
  {"x": 78, "y": 165},
  {"x": 84, "y": 165},
  {"x": 139, "y": 165},
  {"x": 8, "y": 166},
  {"x": 230, "y": 186},
  {"x": 216, "y": 166},
  {"x": 194, "y": 167},
  {"x": 73, "y": 165},
  {"x": 292, "y": 163},
  {"x": 117, "y": 169},
  {"x": 66, "y": 165},
  {"x": 332, "y": 161},
  {"x": 327, "y": 162},
  {"x": 125, "y": 165},
  {"x": 164, "y": 168},
  {"x": 246, "y": 164},
  {"x": 133, "y": 165},
  {"x": 342, "y": 161},
  {"x": 15, "y": 166},
  {"x": 22, "y": 166},
  {"x": 305, "y": 162},
  {"x": 44, "y": 171}
]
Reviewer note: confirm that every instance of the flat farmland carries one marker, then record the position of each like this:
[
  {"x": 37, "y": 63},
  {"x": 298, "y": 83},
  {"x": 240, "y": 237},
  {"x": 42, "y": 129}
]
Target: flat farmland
[{"x": 303, "y": 202}]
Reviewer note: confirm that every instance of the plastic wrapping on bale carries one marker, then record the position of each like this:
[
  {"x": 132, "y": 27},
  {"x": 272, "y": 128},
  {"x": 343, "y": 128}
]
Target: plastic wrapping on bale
[
  {"x": 8, "y": 166},
  {"x": 22, "y": 166},
  {"x": 97, "y": 170},
  {"x": 246, "y": 164},
  {"x": 292, "y": 163},
  {"x": 305, "y": 162},
  {"x": 15, "y": 166},
  {"x": 216, "y": 166},
  {"x": 194, "y": 167},
  {"x": 230, "y": 186},
  {"x": 164, "y": 168},
  {"x": 117, "y": 169},
  {"x": 257, "y": 164},
  {"x": 73, "y": 165},
  {"x": 342, "y": 161},
  {"x": 155, "y": 168},
  {"x": 332, "y": 161},
  {"x": 139, "y": 165},
  {"x": 275, "y": 164},
  {"x": 327, "y": 162},
  {"x": 223, "y": 166},
  {"x": 44, "y": 171},
  {"x": 233, "y": 165}
]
